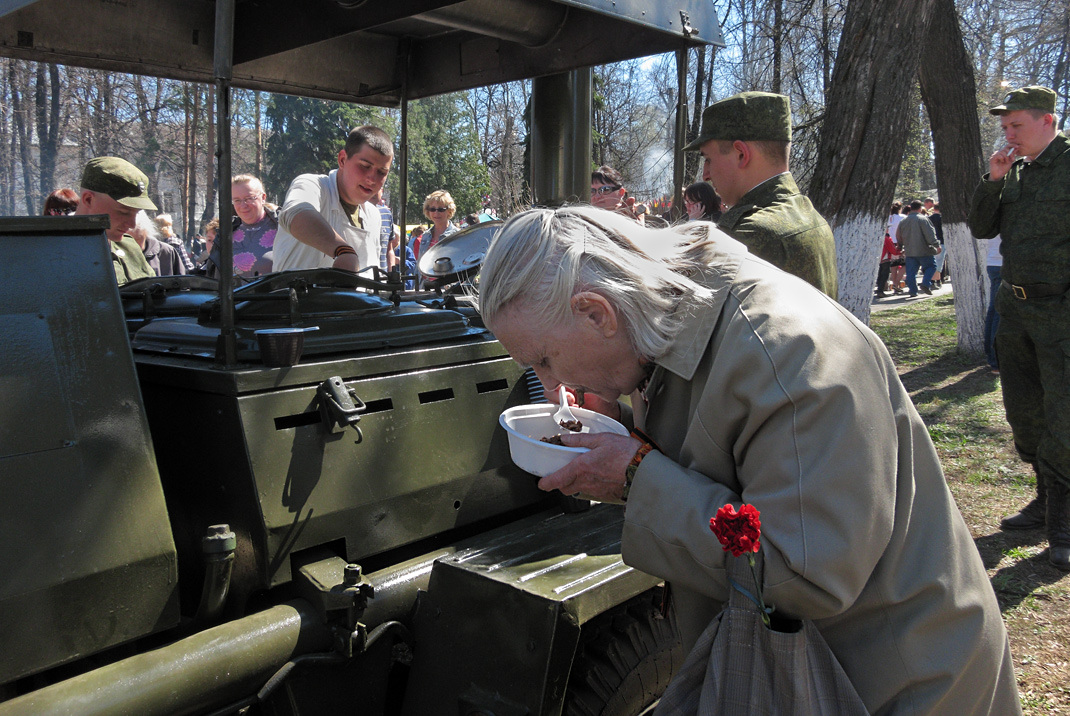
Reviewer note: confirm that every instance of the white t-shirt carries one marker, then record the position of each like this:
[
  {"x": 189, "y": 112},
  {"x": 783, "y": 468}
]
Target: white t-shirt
[
  {"x": 319, "y": 192},
  {"x": 995, "y": 258},
  {"x": 893, "y": 224}
]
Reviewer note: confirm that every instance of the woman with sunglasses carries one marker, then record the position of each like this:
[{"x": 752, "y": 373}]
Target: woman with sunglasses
[
  {"x": 608, "y": 192},
  {"x": 439, "y": 207}
]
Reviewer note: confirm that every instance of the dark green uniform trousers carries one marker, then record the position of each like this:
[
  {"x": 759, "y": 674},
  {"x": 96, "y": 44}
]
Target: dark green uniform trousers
[{"x": 1033, "y": 347}]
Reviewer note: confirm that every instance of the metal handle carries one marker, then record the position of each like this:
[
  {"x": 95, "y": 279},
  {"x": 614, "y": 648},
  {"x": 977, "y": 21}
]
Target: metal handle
[{"x": 339, "y": 405}]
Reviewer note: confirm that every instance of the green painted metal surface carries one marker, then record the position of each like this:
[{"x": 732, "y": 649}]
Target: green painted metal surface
[
  {"x": 215, "y": 666},
  {"x": 87, "y": 559},
  {"x": 429, "y": 455},
  {"x": 367, "y": 52},
  {"x": 498, "y": 627}
]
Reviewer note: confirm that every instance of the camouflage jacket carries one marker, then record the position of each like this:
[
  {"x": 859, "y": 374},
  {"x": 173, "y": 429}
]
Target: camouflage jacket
[
  {"x": 1030, "y": 209},
  {"x": 129, "y": 261},
  {"x": 778, "y": 223}
]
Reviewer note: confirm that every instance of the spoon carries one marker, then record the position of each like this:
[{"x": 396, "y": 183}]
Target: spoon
[{"x": 564, "y": 413}]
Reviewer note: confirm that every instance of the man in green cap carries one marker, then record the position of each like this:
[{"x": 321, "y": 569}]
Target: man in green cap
[
  {"x": 116, "y": 188},
  {"x": 745, "y": 141},
  {"x": 1025, "y": 198}
]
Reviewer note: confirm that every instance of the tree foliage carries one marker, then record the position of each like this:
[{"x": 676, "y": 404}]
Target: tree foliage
[
  {"x": 476, "y": 146},
  {"x": 305, "y": 136},
  {"x": 632, "y": 128},
  {"x": 497, "y": 113},
  {"x": 917, "y": 172},
  {"x": 444, "y": 153}
]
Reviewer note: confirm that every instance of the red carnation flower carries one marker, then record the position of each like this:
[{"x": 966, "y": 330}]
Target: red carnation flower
[{"x": 738, "y": 532}]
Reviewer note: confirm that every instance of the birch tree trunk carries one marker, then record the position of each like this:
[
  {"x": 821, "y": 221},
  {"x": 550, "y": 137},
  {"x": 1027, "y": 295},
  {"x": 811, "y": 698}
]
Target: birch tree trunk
[
  {"x": 950, "y": 95},
  {"x": 259, "y": 135},
  {"x": 7, "y": 157},
  {"x": 102, "y": 118},
  {"x": 862, "y": 139},
  {"x": 778, "y": 41},
  {"x": 193, "y": 113},
  {"x": 691, "y": 159},
  {"x": 47, "y": 118},
  {"x": 149, "y": 114},
  {"x": 210, "y": 177},
  {"x": 20, "y": 136}
]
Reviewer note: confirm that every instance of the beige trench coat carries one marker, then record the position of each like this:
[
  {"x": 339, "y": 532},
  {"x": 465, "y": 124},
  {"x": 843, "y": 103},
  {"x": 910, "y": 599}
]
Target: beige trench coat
[{"x": 775, "y": 396}]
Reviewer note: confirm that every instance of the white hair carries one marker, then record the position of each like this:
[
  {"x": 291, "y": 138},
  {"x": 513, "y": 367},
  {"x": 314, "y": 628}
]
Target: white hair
[
  {"x": 147, "y": 226},
  {"x": 542, "y": 257}
]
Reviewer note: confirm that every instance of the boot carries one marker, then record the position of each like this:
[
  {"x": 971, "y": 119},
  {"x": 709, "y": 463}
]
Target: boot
[
  {"x": 1059, "y": 524},
  {"x": 1031, "y": 517}
]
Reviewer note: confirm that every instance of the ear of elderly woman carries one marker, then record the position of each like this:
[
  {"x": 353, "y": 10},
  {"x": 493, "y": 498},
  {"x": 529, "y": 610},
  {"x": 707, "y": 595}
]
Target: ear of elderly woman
[{"x": 756, "y": 388}]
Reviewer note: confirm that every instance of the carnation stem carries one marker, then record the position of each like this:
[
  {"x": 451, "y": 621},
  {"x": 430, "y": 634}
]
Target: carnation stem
[{"x": 758, "y": 589}]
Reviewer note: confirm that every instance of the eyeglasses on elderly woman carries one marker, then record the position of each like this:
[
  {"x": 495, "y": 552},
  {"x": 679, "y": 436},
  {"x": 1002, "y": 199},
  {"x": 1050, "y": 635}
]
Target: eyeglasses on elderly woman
[{"x": 437, "y": 209}]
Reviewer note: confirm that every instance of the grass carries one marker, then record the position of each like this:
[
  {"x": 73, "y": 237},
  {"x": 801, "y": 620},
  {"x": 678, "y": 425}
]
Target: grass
[{"x": 960, "y": 401}]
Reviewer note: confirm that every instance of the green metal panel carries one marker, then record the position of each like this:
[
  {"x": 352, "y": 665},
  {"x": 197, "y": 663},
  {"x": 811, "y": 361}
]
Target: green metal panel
[
  {"x": 85, "y": 546},
  {"x": 498, "y": 627},
  {"x": 193, "y": 374},
  {"x": 363, "y": 52},
  {"x": 429, "y": 457}
]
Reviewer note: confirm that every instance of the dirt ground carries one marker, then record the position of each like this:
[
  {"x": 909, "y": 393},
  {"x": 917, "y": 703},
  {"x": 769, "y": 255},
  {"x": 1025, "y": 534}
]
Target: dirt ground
[{"x": 959, "y": 398}]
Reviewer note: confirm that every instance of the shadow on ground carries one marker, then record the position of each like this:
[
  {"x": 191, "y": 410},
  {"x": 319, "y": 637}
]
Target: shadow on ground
[
  {"x": 1019, "y": 580},
  {"x": 929, "y": 389}
]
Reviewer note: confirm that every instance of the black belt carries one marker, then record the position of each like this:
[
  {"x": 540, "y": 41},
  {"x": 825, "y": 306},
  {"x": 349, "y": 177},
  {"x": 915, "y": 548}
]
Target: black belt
[{"x": 1036, "y": 290}]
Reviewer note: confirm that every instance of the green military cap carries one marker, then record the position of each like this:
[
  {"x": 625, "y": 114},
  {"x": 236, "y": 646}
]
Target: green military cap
[
  {"x": 748, "y": 116},
  {"x": 1031, "y": 97},
  {"x": 120, "y": 180}
]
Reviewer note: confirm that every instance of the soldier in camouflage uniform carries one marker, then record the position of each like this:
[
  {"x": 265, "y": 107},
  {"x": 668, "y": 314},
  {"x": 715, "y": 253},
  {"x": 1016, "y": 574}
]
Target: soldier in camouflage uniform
[
  {"x": 116, "y": 188},
  {"x": 745, "y": 141},
  {"x": 1026, "y": 198}
]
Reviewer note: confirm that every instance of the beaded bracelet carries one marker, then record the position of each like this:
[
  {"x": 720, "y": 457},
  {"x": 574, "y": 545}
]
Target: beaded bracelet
[
  {"x": 343, "y": 249},
  {"x": 633, "y": 466}
]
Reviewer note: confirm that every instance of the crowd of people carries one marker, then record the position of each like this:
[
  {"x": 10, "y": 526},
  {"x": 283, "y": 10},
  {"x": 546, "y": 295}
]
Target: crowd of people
[
  {"x": 913, "y": 241},
  {"x": 337, "y": 220},
  {"x": 748, "y": 382}
]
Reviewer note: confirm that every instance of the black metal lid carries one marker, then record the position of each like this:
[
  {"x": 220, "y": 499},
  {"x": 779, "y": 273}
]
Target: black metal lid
[{"x": 348, "y": 316}]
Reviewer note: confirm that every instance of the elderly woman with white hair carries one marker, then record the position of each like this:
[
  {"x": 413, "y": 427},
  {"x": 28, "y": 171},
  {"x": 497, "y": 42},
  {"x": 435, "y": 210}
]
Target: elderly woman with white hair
[
  {"x": 162, "y": 256},
  {"x": 750, "y": 386}
]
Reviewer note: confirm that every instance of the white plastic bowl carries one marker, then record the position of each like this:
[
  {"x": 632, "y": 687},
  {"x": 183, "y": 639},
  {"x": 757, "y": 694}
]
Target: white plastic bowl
[{"x": 525, "y": 424}]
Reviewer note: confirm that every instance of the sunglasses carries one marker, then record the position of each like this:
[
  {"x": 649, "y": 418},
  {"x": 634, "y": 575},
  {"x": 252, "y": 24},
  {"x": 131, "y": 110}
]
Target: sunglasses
[
  {"x": 437, "y": 209},
  {"x": 604, "y": 190}
]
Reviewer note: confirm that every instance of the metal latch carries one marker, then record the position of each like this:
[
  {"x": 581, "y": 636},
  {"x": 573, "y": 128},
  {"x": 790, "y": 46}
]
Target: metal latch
[
  {"x": 685, "y": 24},
  {"x": 339, "y": 405}
]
